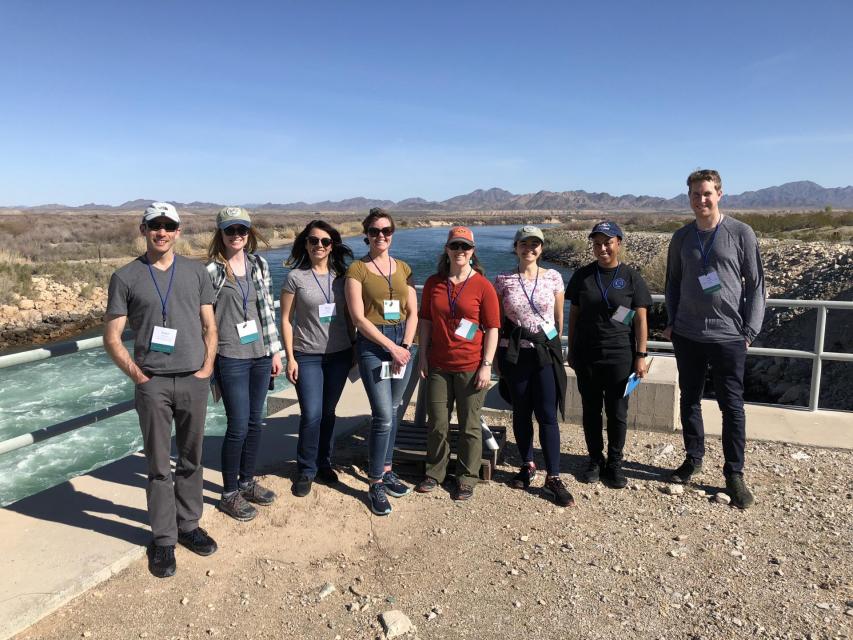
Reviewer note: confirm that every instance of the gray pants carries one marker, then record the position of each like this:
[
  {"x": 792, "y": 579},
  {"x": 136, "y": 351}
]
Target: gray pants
[{"x": 178, "y": 504}]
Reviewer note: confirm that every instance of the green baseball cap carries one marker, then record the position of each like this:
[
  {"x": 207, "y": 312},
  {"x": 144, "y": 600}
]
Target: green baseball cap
[{"x": 229, "y": 216}]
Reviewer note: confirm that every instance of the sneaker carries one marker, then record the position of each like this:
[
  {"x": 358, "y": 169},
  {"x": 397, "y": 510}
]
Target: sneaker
[
  {"x": 463, "y": 492},
  {"x": 592, "y": 471},
  {"x": 614, "y": 477},
  {"x": 686, "y": 471},
  {"x": 378, "y": 499},
  {"x": 393, "y": 485},
  {"x": 197, "y": 541},
  {"x": 523, "y": 478},
  {"x": 301, "y": 486},
  {"x": 557, "y": 490},
  {"x": 235, "y": 505},
  {"x": 161, "y": 560},
  {"x": 327, "y": 475},
  {"x": 426, "y": 485},
  {"x": 253, "y": 492},
  {"x": 738, "y": 491}
]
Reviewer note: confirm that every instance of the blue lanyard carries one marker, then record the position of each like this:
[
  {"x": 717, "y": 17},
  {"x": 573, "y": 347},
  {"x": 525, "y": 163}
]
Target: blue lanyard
[
  {"x": 707, "y": 254},
  {"x": 163, "y": 301},
  {"x": 601, "y": 285},
  {"x": 388, "y": 277},
  {"x": 246, "y": 292},
  {"x": 532, "y": 293},
  {"x": 327, "y": 297},
  {"x": 451, "y": 301}
]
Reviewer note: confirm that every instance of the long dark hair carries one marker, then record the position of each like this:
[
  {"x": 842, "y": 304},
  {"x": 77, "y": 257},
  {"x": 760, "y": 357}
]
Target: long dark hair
[
  {"x": 443, "y": 267},
  {"x": 338, "y": 258}
]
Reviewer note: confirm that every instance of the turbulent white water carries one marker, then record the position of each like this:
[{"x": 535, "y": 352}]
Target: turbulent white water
[{"x": 34, "y": 396}]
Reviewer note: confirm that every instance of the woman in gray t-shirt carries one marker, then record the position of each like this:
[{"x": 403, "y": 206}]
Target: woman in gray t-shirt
[{"x": 318, "y": 337}]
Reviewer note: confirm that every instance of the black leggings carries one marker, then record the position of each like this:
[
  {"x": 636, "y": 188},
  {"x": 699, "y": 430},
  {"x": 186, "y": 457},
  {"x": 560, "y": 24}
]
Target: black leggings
[{"x": 603, "y": 383}]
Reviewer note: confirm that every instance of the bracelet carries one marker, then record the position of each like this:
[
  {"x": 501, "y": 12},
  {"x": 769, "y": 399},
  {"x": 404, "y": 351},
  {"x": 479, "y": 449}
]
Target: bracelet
[
  {"x": 641, "y": 354},
  {"x": 487, "y": 363}
]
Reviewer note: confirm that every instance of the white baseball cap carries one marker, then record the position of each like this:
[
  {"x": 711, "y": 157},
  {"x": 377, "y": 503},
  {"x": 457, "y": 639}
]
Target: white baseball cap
[{"x": 160, "y": 210}]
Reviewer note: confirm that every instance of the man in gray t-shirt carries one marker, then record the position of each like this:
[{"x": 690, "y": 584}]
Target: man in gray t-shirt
[
  {"x": 167, "y": 301},
  {"x": 715, "y": 302}
]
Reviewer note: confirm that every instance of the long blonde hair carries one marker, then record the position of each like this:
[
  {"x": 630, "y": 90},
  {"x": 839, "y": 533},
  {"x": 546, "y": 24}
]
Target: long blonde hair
[{"x": 216, "y": 248}]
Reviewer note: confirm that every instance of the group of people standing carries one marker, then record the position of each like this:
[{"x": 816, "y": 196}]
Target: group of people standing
[{"x": 195, "y": 323}]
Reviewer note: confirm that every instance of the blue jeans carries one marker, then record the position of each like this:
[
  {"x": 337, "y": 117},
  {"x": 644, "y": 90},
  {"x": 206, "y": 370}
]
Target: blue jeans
[
  {"x": 243, "y": 383},
  {"x": 321, "y": 381},
  {"x": 385, "y": 397}
]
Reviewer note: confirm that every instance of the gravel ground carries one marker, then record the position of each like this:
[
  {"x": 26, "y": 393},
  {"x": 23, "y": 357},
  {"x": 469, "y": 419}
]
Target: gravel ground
[{"x": 636, "y": 563}]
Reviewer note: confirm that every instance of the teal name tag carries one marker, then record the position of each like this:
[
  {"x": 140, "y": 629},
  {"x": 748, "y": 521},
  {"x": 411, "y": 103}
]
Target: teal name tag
[
  {"x": 549, "y": 330},
  {"x": 623, "y": 315},
  {"x": 710, "y": 282},
  {"x": 391, "y": 309},
  {"x": 163, "y": 339},
  {"x": 248, "y": 331},
  {"x": 466, "y": 329}
]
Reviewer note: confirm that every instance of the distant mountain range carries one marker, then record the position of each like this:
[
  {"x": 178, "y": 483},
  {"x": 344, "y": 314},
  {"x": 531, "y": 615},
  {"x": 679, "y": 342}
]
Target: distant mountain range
[{"x": 791, "y": 195}]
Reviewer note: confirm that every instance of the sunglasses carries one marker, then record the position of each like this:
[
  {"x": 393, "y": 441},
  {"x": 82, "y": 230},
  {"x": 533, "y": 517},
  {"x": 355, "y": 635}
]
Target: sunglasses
[
  {"x": 459, "y": 246},
  {"x": 374, "y": 232},
  {"x": 156, "y": 226},
  {"x": 236, "y": 230},
  {"x": 314, "y": 241}
]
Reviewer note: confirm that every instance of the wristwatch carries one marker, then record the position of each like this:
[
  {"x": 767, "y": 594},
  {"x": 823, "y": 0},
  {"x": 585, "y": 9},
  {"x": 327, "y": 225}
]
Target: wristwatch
[
  {"x": 487, "y": 363},
  {"x": 406, "y": 345},
  {"x": 641, "y": 354}
]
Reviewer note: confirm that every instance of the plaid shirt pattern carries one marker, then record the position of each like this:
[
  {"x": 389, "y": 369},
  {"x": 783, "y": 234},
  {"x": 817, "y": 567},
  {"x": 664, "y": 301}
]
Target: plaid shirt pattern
[{"x": 263, "y": 286}]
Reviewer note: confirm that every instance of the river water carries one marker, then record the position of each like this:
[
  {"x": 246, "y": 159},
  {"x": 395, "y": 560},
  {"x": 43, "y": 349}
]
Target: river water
[{"x": 34, "y": 396}]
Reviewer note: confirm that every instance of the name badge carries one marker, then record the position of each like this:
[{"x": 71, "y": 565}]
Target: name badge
[
  {"x": 248, "y": 331},
  {"x": 163, "y": 339},
  {"x": 327, "y": 312},
  {"x": 710, "y": 282},
  {"x": 466, "y": 329},
  {"x": 623, "y": 315},
  {"x": 391, "y": 309},
  {"x": 385, "y": 372},
  {"x": 549, "y": 330}
]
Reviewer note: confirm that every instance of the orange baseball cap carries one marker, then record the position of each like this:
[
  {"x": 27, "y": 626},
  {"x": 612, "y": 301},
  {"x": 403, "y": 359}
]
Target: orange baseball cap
[{"x": 461, "y": 234}]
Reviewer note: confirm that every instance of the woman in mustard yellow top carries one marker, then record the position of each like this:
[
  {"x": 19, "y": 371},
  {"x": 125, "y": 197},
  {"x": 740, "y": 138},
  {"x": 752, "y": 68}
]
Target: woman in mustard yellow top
[{"x": 383, "y": 306}]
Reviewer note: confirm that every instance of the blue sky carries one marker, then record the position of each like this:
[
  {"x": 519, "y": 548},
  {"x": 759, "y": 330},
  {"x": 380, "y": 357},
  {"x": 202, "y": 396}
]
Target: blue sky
[{"x": 284, "y": 101}]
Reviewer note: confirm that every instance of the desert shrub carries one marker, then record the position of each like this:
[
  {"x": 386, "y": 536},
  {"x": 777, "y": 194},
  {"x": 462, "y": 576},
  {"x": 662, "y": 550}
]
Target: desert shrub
[
  {"x": 654, "y": 272},
  {"x": 15, "y": 278}
]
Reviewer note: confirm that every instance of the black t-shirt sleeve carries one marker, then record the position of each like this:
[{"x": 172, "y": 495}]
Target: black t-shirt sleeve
[{"x": 573, "y": 288}]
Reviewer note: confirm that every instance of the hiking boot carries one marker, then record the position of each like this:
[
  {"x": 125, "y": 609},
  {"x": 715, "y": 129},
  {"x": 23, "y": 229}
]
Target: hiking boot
[
  {"x": 394, "y": 486},
  {"x": 524, "y": 477},
  {"x": 327, "y": 475},
  {"x": 426, "y": 485},
  {"x": 555, "y": 488},
  {"x": 197, "y": 541},
  {"x": 253, "y": 492},
  {"x": 738, "y": 491},
  {"x": 463, "y": 492},
  {"x": 235, "y": 505},
  {"x": 686, "y": 471},
  {"x": 161, "y": 560},
  {"x": 301, "y": 486},
  {"x": 592, "y": 471},
  {"x": 613, "y": 476},
  {"x": 378, "y": 499}
]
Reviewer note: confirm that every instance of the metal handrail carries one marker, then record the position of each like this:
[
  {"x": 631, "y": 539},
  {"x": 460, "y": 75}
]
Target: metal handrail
[{"x": 65, "y": 348}]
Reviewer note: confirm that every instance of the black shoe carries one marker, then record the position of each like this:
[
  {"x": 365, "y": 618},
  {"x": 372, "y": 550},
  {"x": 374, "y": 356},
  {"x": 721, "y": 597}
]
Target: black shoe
[
  {"x": 686, "y": 471},
  {"x": 161, "y": 560},
  {"x": 197, "y": 541},
  {"x": 235, "y": 505},
  {"x": 426, "y": 485},
  {"x": 614, "y": 477},
  {"x": 463, "y": 492},
  {"x": 592, "y": 471},
  {"x": 394, "y": 486},
  {"x": 327, "y": 475},
  {"x": 738, "y": 491},
  {"x": 253, "y": 492},
  {"x": 301, "y": 486},
  {"x": 523, "y": 478},
  {"x": 378, "y": 499},
  {"x": 557, "y": 490}
]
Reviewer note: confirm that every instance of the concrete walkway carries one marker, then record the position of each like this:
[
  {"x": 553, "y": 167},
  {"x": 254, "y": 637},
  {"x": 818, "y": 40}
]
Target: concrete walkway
[{"x": 65, "y": 540}]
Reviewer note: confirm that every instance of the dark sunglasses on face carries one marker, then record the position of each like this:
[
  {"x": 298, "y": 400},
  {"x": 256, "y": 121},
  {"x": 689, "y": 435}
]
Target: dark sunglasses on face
[
  {"x": 374, "y": 232},
  {"x": 314, "y": 241},
  {"x": 459, "y": 246},
  {"x": 156, "y": 226},
  {"x": 236, "y": 230}
]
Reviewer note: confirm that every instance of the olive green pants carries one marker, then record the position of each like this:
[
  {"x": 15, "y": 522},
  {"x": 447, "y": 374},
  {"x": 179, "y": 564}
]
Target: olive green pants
[{"x": 444, "y": 389}]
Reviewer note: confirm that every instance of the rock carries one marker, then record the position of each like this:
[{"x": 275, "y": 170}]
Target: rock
[
  {"x": 209, "y": 573},
  {"x": 516, "y": 604},
  {"x": 25, "y": 304},
  {"x": 185, "y": 600},
  {"x": 663, "y": 450},
  {"x": 395, "y": 623},
  {"x": 722, "y": 497},
  {"x": 800, "y": 455},
  {"x": 849, "y": 612},
  {"x": 432, "y": 615},
  {"x": 823, "y": 605},
  {"x": 674, "y": 489},
  {"x": 524, "y": 538},
  {"x": 326, "y": 590}
]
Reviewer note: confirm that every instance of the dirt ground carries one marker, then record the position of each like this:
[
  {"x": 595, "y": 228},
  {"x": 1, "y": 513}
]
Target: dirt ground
[{"x": 635, "y": 563}]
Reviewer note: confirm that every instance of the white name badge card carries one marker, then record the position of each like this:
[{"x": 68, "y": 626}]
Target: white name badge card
[
  {"x": 327, "y": 312},
  {"x": 710, "y": 282},
  {"x": 391, "y": 309},
  {"x": 248, "y": 331},
  {"x": 622, "y": 315},
  {"x": 386, "y": 372},
  {"x": 163, "y": 339},
  {"x": 549, "y": 330},
  {"x": 466, "y": 329}
]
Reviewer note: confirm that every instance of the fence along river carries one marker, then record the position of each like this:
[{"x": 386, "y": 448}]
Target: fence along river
[{"x": 36, "y": 395}]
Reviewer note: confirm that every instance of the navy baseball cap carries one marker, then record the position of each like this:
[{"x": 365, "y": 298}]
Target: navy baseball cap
[{"x": 610, "y": 229}]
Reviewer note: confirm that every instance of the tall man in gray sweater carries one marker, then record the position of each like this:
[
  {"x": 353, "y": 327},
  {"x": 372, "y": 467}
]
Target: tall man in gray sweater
[{"x": 715, "y": 301}]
